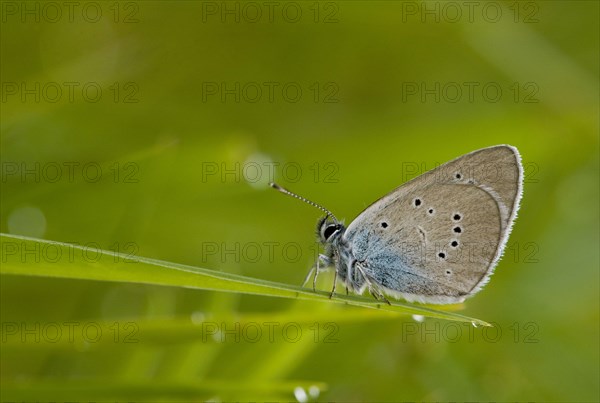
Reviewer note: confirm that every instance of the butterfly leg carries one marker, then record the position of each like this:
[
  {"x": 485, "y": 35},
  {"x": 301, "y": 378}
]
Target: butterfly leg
[
  {"x": 316, "y": 269},
  {"x": 334, "y": 284},
  {"x": 373, "y": 289},
  {"x": 379, "y": 296},
  {"x": 310, "y": 273},
  {"x": 326, "y": 262}
]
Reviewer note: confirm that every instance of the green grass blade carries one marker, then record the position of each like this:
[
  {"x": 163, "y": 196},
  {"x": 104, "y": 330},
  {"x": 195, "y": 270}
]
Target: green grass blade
[
  {"x": 37, "y": 257},
  {"x": 108, "y": 389}
]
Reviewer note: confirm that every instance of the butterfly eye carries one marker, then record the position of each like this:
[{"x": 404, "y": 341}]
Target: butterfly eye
[{"x": 329, "y": 231}]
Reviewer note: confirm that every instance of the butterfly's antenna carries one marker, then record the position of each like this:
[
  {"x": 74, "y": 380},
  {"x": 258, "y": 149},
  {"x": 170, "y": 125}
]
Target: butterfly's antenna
[{"x": 287, "y": 192}]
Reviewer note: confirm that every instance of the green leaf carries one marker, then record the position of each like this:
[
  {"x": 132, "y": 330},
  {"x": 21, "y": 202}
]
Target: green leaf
[{"x": 37, "y": 257}]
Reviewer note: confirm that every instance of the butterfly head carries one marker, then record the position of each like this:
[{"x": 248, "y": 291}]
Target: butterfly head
[{"x": 328, "y": 229}]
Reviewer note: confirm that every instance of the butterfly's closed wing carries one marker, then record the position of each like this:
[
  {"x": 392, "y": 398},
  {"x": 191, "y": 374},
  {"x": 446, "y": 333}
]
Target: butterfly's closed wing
[{"x": 438, "y": 237}]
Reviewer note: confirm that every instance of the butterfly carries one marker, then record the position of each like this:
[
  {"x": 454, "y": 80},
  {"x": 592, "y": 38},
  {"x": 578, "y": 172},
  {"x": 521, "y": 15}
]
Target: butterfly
[{"x": 435, "y": 239}]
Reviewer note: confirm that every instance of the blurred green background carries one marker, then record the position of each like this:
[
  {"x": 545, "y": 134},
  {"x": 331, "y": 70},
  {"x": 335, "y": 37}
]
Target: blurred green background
[{"x": 152, "y": 128}]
